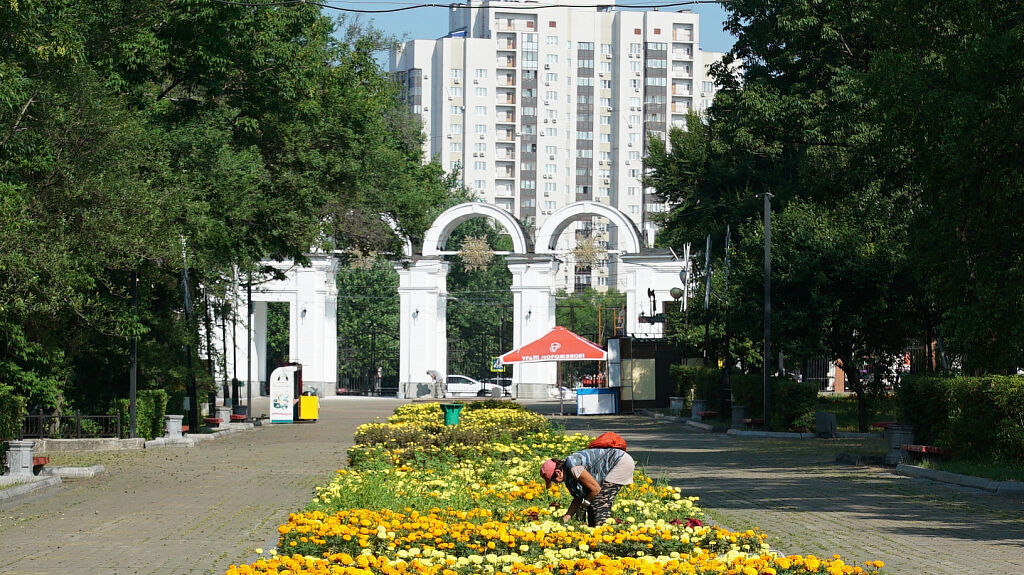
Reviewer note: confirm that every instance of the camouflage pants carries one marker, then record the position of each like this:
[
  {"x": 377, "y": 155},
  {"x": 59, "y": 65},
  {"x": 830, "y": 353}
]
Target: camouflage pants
[{"x": 601, "y": 507}]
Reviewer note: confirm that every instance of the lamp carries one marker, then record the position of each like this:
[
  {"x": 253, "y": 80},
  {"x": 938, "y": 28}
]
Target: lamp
[{"x": 415, "y": 314}]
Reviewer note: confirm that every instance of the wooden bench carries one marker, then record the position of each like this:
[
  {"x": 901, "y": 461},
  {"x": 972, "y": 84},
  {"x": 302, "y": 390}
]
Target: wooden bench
[
  {"x": 883, "y": 424},
  {"x": 707, "y": 414},
  {"x": 752, "y": 421},
  {"x": 923, "y": 451},
  {"x": 212, "y": 421},
  {"x": 237, "y": 417},
  {"x": 38, "y": 462},
  {"x": 184, "y": 429}
]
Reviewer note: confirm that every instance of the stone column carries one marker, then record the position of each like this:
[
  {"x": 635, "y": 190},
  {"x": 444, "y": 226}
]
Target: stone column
[
  {"x": 533, "y": 316},
  {"x": 172, "y": 426},
  {"x": 423, "y": 340},
  {"x": 19, "y": 457},
  {"x": 224, "y": 415}
]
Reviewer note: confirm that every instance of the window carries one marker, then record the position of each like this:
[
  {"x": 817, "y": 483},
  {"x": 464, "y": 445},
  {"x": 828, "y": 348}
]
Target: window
[
  {"x": 455, "y": 147},
  {"x": 528, "y": 185},
  {"x": 603, "y": 192},
  {"x": 585, "y": 45},
  {"x": 529, "y": 74},
  {"x": 653, "y": 81},
  {"x": 455, "y": 92},
  {"x": 632, "y": 191},
  {"x": 635, "y": 84},
  {"x": 552, "y": 132},
  {"x": 455, "y": 110},
  {"x": 551, "y": 40},
  {"x": 529, "y": 111},
  {"x": 606, "y": 138},
  {"x": 606, "y": 84},
  {"x": 551, "y": 150},
  {"x": 707, "y": 86},
  {"x": 582, "y": 189},
  {"x": 550, "y": 187},
  {"x": 584, "y": 135},
  {"x": 657, "y": 63},
  {"x": 481, "y": 73},
  {"x": 455, "y": 128},
  {"x": 606, "y": 120},
  {"x": 456, "y": 73},
  {"x": 634, "y": 173},
  {"x": 606, "y": 49},
  {"x": 634, "y": 48},
  {"x": 634, "y": 209},
  {"x": 480, "y": 166},
  {"x": 549, "y": 205},
  {"x": 662, "y": 46},
  {"x": 480, "y": 184},
  {"x": 551, "y": 95},
  {"x": 606, "y": 156},
  {"x": 480, "y": 147},
  {"x": 550, "y": 169},
  {"x": 634, "y": 155},
  {"x": 606, "y": 67},
  {"x": 454, "y": 165},
  {"x": 480, "y": 128},
  {"x": 551, "y": 77},
  {"x": 634, "y": 66},
  {"x": 480, "y": 92},
  {"x": 634, "y": 119},
  {"x": 529, "y": 203},
  {"x": 585, "y": 153},
  {"x": 480, "y": 110},
  {"x": 581, "y": 81},
  {"x": 551, "y": 58}
]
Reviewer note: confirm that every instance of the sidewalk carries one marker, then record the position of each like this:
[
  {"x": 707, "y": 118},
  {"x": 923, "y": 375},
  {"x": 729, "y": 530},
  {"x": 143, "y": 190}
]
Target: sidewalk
[
  {"x": 182, "y": 511},
  {"x": 806, "y": 503}
]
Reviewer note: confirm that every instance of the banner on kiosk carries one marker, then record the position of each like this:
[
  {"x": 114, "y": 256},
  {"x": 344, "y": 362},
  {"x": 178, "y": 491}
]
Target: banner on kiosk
[{"x": 282, "y": 394}]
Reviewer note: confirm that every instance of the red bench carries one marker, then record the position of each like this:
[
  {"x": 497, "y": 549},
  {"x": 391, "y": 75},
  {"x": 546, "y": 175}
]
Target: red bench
[
  {"x": 707, "y": 414},
  {"x": 212, "y": 420},
  {"x": 752, "y": 421},
  {"x": 926, "y": 450},
  {"x": 883, "y": 424},
  {"x": 237, "y": 417},
  {"x": 184, "y": 429},
  {"x": 38, "y": 462}
]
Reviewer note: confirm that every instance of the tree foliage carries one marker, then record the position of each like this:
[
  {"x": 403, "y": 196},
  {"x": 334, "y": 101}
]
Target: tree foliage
[{"x": 149, "y": 137}]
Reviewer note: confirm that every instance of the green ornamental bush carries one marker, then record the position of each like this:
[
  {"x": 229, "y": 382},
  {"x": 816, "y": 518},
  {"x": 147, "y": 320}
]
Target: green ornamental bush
[
  {"x": 150, "y": 408},
  {"x": 12, "y": 413}
]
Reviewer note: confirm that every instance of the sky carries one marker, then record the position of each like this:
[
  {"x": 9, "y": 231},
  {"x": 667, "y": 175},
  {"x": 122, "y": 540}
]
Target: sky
[{"x": 432, "y": 21}]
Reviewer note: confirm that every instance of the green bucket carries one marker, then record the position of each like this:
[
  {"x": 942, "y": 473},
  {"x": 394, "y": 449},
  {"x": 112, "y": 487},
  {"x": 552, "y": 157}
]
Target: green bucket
[{"x": 451, "y": 413}]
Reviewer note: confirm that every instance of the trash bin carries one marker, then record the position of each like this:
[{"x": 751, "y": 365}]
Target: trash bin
[
  {"x": 451, "y": 413},
  {"x": 309, "y": 406}
]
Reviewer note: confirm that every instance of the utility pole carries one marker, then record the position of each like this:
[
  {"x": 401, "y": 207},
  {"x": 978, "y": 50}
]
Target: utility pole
[
  {"x": 248, "y": 345},
  {"x": 133, "y": 373},
  {"x": 767, "y": 309}
]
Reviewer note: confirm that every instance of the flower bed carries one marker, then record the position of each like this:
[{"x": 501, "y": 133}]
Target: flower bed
[{"x": 420, "y": 497}]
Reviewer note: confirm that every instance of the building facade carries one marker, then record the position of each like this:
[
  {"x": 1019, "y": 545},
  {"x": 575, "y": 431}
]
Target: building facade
[{"x": 540, "y": 106}]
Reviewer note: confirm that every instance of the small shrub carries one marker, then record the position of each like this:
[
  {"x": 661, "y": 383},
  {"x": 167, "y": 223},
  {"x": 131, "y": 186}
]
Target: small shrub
[
  {"x": 150, "y": 408},
  {"x": 12, "y": 413}
]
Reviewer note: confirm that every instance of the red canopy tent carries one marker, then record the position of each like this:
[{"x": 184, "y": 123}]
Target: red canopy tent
[{"x": 559, "y": 345}]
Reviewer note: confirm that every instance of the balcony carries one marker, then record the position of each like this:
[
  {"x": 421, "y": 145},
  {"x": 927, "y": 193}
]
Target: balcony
[
  {"x": 505, "y": 119},
  {"x": 506, "y": 63}
]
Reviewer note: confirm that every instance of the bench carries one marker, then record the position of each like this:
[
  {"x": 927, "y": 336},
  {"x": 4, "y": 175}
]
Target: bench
[
  {"x": 184, "y": 429},
  {"x": 38, "y": 462},
  {"x": 212, "y": 421},
  {"x": 752, "y": 421},
  {"x": 237, "y": 417},
  {"x": 707, "y": 414},
  {"x": 923, "y": 451},
  {"x": 883, "y": 424}
]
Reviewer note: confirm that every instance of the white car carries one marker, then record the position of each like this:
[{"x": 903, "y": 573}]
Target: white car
[{"x": 465, "y": 386}]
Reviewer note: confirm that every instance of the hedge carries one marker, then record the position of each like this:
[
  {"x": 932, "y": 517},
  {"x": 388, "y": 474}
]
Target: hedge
[
  {"x": 790, "y": 399},
  {"x": 702, "y": 381},
  {"x": 12, "y": 413},
  {"x": 150, "y": 408},
  {"x": 979, "y": 418}
]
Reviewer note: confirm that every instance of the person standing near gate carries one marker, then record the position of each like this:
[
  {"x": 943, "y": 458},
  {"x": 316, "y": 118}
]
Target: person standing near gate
[
  {"x": 593, "y": 476},
  {"x": 440, "y": 390}
]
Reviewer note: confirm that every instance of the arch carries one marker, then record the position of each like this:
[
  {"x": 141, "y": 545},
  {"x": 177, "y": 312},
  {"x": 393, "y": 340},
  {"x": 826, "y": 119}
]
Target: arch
[
  {"x": 547, "y": 235},
  {"x": 436, "y": 237},
  {"x": 406, "y": 244}
]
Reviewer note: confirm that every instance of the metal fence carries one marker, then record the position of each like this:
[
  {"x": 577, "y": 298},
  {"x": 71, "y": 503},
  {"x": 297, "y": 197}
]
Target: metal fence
[{"x": 76, "y": 426}]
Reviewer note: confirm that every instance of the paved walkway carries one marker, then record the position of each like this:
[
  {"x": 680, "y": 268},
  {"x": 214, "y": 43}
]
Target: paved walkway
[
  {"x": 182, "y": 511},
  {"x": 793, "y": 490},
  {"x": 189, "y": 511}
]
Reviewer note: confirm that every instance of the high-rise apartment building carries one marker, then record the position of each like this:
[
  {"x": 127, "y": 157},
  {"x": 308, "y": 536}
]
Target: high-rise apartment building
[{"x": 541, "y": 105}]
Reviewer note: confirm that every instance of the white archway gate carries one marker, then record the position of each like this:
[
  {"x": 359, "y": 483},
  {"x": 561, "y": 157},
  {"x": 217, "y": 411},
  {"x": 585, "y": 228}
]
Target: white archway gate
[{"x": 423, "y": 290}]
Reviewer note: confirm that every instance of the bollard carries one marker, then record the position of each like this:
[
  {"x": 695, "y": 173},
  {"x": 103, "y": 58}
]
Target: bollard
[
  {"x": 739, "y": 413},
  {"x": 19, "y": 457},
  {"x": 898, "y": 436},
  {"x": 224, "y": 415},
  {"x": 698, "y": 406},
  {"x": 172, "y": 426},
  {"x": 451, "y": 413}
]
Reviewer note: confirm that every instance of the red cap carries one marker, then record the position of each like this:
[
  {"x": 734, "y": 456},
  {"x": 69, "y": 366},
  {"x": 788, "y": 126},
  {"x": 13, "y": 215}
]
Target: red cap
[{"x": 547, "y": 471}]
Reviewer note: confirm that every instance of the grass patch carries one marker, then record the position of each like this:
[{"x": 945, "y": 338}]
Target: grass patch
[{"x": 994, "y": 471}]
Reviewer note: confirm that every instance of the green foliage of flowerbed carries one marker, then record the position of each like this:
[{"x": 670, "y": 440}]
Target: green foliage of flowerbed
[{"x": 979, "y": 418}]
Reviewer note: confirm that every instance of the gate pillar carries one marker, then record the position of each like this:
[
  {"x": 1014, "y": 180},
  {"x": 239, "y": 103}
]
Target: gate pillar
[
  {"x": 653, "y": 269},
  {"x": 533, "y": 316},
  {"x": 423, "y": 340}
]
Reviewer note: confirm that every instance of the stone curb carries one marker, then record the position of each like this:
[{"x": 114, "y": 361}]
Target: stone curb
[
  {"x": 699, "y": 425},
  {"x": 74, "y": 472},
  {"x": 770, "y": 434},
  {"x": 991, "y": 485},
  {"x": 168, "y": 442},
  {"x": 33, "y": 483}
]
